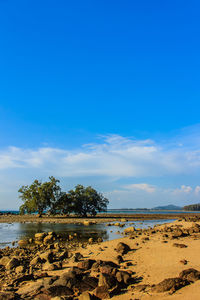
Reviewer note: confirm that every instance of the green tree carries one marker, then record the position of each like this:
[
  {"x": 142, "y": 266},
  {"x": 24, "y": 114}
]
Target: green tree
[
  {"x": 86, "y": 200},
  {"x": 40, "y": 196}
]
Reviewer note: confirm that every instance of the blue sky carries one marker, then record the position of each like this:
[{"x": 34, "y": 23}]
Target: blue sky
[{"x": 104, "y": 93}]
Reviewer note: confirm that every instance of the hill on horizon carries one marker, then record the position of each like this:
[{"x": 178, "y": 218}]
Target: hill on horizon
[{"x": 168, "y": 207}]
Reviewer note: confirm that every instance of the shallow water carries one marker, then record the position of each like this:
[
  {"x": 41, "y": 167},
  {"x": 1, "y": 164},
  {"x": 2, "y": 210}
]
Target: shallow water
[{"x": 10, "y": 232}]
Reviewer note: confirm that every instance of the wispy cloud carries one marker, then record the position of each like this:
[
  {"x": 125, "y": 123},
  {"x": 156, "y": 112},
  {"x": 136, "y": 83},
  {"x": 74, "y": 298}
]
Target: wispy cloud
[
  {"x": 132, "y": 162},
  {"x": 114, "y": 156}
]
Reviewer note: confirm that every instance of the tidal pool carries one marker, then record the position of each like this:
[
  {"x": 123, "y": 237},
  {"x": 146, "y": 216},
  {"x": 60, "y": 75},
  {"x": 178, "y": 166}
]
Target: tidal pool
[{"x": 10, "y": 232}]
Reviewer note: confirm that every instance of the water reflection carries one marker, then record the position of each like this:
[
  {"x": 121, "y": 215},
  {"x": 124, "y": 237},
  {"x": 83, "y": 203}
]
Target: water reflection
[{"x": 16, "y": 231}]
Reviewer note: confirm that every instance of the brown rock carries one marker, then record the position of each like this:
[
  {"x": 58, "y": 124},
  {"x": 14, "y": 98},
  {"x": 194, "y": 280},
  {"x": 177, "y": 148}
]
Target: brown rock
[
  {"x": 169, "y": 284},
  {"x": 13, "y": 263},
  {"x": 8, "y": 296},
  {"x": 107, "y": 280},
  {"x": 190, "y": 274},
  {"x": 122, "y": 248},
  {"x": 179, "y": 245},
  {"x": 86, "y": 264},
  {"x": 102, "y": 292},
  {"x": 183, "y": 261},
  {"x": 123, "y": 276}
]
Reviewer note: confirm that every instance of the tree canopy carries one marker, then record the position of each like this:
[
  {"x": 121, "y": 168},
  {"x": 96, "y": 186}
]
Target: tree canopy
[
  {"x": 192, "y": 207},
  {"x": 47, "y": 196},
  {"x": 39, "y": 196}
]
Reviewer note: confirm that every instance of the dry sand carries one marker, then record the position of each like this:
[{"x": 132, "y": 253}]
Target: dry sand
[{"x": 153, "y": 261}]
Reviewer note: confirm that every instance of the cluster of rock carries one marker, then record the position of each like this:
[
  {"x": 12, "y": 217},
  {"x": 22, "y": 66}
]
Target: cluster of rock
[
  {"x": 27, "y": 274},
  {"x": 39, "y": 268}
]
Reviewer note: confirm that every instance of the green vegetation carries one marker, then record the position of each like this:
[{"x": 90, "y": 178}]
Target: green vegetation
[
  {"x": 47, "y": 196},
  {"x": 192, "y": 207}
]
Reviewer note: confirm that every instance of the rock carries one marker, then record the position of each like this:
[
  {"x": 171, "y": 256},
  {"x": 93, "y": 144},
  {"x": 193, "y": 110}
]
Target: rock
[
  {"x": 8, "y": 296},
  {"x": 123, "y": 220},
  {"x": 122, "y": 248},
  {"x": 179, "y": 245},
  {"x": 46, "y": 256},
  {"x": 40, "y": 236},
  {"x": 177, "y": 234},
  {"x": 169, "y": 284},
  {"x": 119, "y": 259},
  {"x": 59, "y": 290},
  {"x": 190, "y": 275},
  {"x": 48, "y": 267},
  {"x": 77, "y": 256},
  {"x": 117, "y": 224},
  {"x": 107, "y": 280},
  {"x": 70, "y": 279},
  {"x": 123, "y": 276},
  {"x": 35, "y": 261},
  {"x": 86, "y": 296},
  {"x": 87, "y": 223},
  {"x": 4, "y": 260},
  {"x": 88, "y": 283},
  {"x": 13, "y": 263},
  {"x": 183, "y": 261},
  {"x": 106, "y": 269},
  {"x": 129, "y": 229},
  {"x": 99, "y": 240},
  {"x": 48, "y": 239},
  {"x": 102, "y": 292},
  {"x": 64, "y": 255},
  {"x": 22, "y": 243},
  {"x": 141, "y": 287},
  {"x": 90, "y": 240},
  {"x": 19, "y": 269},
  {"x": 86, "y": 264}
]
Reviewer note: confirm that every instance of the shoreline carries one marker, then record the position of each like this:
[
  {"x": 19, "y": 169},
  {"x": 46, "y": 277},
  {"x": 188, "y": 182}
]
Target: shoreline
[{"x": 98, "y": 219}]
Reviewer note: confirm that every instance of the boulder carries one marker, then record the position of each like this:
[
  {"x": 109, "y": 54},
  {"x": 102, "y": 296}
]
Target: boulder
[
  {"x": 86, "y": 296},
  {"x": 40, "y": 236},
  {"x": 47, "y": 256},
  {"x": 4, "y": 260},
  {"x": 123, "y": 277},
  {"x": 86, "y": 264},
  {"x": 19, "y": 269},
  {"x": 102, "y": 292},
  {"x": 119, "y": 259},
  {"x": 13, "y": 263},
  {"x": 48, "y": 267},
  {"x": 129, "y": 229},
  {"x": 169, "y": 284},
  {"x": 190, "y": 275},
  {"x": 107, "y": 280},
  {"x": 48, "y": 239},
  {"x": 22, "y": 243},
  {"x": 122, "y": 248}
]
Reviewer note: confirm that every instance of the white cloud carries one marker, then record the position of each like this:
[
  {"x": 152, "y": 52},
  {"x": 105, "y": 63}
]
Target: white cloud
[
  {"x": 183, "y": 189},
  {"x": 141, "y": 186},
  {"x": 197, "y": 190},
  {"x": 104, "y": 164},
  {"x": 115, "y": 156}
]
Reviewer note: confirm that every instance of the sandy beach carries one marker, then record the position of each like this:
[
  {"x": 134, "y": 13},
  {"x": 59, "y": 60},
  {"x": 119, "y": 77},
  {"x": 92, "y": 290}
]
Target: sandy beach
[{"x": 138, "y": 269}]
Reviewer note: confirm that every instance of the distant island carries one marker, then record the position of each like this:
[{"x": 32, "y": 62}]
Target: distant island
[{"x": 168, "y": 207}]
